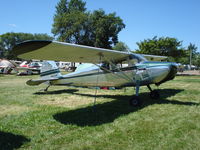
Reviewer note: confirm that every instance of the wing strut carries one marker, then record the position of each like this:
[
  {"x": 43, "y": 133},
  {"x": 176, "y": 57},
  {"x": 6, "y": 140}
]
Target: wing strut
[{"x": 97, "y": 82}]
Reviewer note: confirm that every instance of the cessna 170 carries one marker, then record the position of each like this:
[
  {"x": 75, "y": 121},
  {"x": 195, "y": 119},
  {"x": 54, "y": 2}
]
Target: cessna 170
[{"x": 106, "y": 68}]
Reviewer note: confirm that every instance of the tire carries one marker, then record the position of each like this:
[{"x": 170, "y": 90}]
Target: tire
[
  {"x": 155, "y": 94},
  {"x": 135, "y": 101}
]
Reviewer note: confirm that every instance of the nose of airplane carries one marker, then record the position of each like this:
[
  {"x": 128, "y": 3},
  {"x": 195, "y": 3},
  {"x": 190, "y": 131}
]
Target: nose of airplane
[{"x": 171, "y": 74}]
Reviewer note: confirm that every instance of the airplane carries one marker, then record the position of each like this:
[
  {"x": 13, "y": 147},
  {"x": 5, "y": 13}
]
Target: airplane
[
  {"x": 9, "y": 66},
  {"x": 29, "y": 68},
  {"x": 105, "y": 68}
]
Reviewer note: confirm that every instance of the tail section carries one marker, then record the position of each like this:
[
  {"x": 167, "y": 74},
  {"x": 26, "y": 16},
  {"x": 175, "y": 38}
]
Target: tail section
[{"x": 49, "y": 70}]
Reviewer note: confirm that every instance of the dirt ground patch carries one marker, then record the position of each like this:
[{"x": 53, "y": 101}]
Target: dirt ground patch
[
  {"x": 189, "y": 72},
  {"x": 69, "y": 102},
  {"x": 11, "y": 109}
]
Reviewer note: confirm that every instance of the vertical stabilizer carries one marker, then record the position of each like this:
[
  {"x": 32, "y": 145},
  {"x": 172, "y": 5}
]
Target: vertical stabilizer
[{"x": 49, "y": 70}]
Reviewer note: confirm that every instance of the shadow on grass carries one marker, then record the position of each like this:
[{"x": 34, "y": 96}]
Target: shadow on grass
[
  {"x": 57, "y": 92},
  {"x": 9, "y": 141},
  {"x": 109, "y": 111}
]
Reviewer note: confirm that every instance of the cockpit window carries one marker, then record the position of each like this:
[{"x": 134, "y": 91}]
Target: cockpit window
[
  {"x": 106, "y": 66},
  {"x": 128, "y": 62},
  {"x": 116, "y": 66}
]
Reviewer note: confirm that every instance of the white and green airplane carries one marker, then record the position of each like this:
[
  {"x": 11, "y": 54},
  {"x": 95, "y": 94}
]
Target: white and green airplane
[{"x": 106, "y": 68}]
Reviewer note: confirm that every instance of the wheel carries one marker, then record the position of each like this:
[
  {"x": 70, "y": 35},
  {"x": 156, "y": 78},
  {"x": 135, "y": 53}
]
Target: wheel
[
  {"x": 154, "y": 94},
  {"x": 135, "y": 101}
]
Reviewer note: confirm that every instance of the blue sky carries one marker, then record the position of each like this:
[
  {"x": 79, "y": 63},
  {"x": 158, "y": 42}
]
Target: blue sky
[{"x": 143, "y": 18}]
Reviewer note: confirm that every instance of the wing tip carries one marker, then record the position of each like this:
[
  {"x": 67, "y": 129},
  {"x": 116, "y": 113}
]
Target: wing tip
[{"x": 28, "y": 46}]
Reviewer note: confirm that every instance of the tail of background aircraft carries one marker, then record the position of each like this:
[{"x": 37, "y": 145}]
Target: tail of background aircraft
[{"x": 49, "y": 70}]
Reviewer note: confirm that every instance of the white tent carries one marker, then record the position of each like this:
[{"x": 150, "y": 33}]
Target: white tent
[{"x": 7, "y": 66}]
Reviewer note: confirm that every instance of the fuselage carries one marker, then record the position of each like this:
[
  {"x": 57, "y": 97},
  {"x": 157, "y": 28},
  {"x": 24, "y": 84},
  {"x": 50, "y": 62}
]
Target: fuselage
[{"x": 143, "y": 73}]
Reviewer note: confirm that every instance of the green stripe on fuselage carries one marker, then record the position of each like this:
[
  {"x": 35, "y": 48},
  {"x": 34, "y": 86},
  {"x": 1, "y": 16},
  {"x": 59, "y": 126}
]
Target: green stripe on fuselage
[
  {"x": 49, "y": 72},
  {"x": 153, "y": 64}
]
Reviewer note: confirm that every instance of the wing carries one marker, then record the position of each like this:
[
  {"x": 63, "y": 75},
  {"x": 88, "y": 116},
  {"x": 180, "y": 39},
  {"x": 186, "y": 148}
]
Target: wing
[
  {"x": 154, "y": 57},
  {"x": 60, "y": 51}
]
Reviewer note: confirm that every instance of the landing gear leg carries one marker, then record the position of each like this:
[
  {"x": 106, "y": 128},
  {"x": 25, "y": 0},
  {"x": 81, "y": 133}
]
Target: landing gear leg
[
  {"x": 135, "y": 100},
  {"x": 154, "y": 94},
  {"x": 46, "y": 89}
]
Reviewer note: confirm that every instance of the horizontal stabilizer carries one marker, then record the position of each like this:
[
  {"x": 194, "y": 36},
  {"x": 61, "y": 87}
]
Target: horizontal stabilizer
[{"x": 38, "y": 82}]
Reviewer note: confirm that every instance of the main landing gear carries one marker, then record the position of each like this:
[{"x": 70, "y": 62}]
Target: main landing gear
[
  {"x": 136, "y": 101},
  {"x": 46, "y": 89},
  {"x": 154, "y": 94}
]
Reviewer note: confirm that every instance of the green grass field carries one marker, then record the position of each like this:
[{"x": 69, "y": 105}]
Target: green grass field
[{"x": 64, "y": 118}]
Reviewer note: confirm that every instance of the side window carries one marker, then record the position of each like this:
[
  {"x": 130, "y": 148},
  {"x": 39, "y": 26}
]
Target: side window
[
  {"x": 132, "y": 62},
  {"x": 127, "y": 63},
  {"x": 105, "y": 66},
  {"x": 120, "y": 65}
]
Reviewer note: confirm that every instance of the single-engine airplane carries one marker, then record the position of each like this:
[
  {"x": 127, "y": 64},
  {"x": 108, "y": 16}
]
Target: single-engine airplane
[{"x": 106, "y": 68}]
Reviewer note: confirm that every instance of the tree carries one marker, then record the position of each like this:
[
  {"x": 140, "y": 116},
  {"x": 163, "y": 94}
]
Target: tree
[
  {"x": 192, "y": 49},
  {"x": 9, "y": 40},
  {"x": 1, "y": 50},
  {"x": 73, "y": 24},
  {"x": 69, "y": 21},
  {"x": 196, "y": 61},
  {"x": 105, "y": 28},
  {"x": 121, "y": 46},
  {"x": 164, "y": 46}
]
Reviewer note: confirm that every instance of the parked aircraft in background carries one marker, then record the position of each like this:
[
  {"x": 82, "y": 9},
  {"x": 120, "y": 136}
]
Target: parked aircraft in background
[
  {"x": 106, "y": 70},
  {"x": 29, "y": 67}
]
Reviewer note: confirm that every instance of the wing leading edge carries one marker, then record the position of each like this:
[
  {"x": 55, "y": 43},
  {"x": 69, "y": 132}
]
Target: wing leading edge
[
  {"x": 60, "y": 51},
  {"x": 155, "y": 57}
]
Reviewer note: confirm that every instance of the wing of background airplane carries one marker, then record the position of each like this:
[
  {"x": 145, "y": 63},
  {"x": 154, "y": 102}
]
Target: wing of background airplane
[
  {"x": 60, "y": 51},
  {"x": 31, "y": 69}
]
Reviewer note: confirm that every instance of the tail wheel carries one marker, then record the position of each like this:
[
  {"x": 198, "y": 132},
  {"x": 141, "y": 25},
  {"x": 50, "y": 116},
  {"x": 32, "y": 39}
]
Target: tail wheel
[
  {"x": 154, "y": 94},
  {"x": 135, "y": 101}
]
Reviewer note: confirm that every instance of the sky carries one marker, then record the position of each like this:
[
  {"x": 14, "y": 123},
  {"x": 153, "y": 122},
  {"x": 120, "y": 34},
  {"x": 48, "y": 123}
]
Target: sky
[{"x": 144, "y": 19}]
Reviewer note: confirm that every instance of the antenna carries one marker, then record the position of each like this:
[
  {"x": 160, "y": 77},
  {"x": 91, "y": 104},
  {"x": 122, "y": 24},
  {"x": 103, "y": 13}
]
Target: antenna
[{"x": 97, "y": 81}]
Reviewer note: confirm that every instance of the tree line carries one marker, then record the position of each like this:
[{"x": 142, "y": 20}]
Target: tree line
[
  {"x": 73, "y": 23},
  {"x": 171, "y": 47}
]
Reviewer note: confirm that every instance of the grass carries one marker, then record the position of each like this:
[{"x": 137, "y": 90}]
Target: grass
[{"x": 64, "y": 118}]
